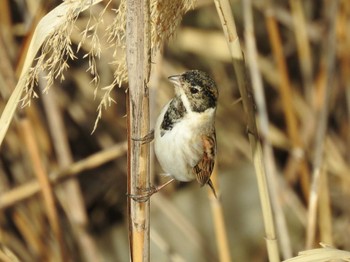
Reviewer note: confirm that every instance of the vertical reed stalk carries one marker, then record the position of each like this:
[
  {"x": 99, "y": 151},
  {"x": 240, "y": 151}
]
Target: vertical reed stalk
[
  {"x": 46, "y": 188},
  {"x": 224, "y": 10},
  {"x": 328, "y": 67},
  {"x": 268, "y": 156},
  {"x": 285, "y": 90},
  {"x": 137, "y": 53},
  {"x": 219, "y": 221}
]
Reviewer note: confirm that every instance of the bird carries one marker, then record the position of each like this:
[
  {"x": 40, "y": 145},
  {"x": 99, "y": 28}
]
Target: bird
[{"x": 184, "y": 133}]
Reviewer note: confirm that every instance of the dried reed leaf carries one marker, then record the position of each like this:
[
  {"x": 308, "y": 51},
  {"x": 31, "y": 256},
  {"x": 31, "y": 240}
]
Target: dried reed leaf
[
  {"x": 52, "y": 35},
  {"x": 324, "y": 254},
  {"x": 45, "y": 28}
]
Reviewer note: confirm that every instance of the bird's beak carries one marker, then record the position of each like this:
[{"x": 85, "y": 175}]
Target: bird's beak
[{"x": 175, "y": 79}]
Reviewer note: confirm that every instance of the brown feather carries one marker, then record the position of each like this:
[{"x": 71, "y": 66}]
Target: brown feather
[{"x": 205, "y": 166}]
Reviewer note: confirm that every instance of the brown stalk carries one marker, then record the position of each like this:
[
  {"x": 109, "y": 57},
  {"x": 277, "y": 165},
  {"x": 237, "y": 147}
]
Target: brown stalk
[
  {"x": 325, "y": 212},
  {"x": 268, "y": 156},
  {"x": 6, "y": 34},
  {"x": 137, "y": 54},
  {"x": 219, "y": 221},
  {"x": 303, "y": 45},
  {"x": 286, "y": 93},
  {"x": 344, "y": 55},
  {"x": 224, "y": 10},
  {"x": 29, "y": 234},
  {"x": 45, "y": 186},
  {"x": 69, "y": 193},
  {"x": 29, "y": 189},
  {"x": 327, "y": 66}
]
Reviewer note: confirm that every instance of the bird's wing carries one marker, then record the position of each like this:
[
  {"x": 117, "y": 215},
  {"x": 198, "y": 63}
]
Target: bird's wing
[{"x": 205, "y": 166}]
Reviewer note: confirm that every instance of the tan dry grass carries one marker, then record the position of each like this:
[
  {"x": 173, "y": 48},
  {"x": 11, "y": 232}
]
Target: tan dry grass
[{"x": 194, "y": 47}]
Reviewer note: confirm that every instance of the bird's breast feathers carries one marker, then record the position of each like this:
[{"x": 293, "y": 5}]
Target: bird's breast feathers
[{"x": 180, "y": 148}]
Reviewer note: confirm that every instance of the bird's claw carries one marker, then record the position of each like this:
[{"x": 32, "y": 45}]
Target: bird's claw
[
  {"x": 144, "y": 196},
  {"x": 146, "y": 139}
]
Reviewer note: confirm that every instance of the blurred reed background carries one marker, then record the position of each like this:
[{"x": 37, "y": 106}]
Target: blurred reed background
[{"x": 63, "y": 188}]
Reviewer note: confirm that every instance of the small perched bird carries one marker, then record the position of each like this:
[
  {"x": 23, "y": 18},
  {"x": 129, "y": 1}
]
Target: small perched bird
[{"x": 184, "y": 134}]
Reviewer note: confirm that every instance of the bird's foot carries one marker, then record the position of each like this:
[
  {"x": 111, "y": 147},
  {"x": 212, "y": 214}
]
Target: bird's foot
[
  {"x": 145, "y": 195},
  {"x": 146, "y": 139},
  {"x": 148, "y": 192}
]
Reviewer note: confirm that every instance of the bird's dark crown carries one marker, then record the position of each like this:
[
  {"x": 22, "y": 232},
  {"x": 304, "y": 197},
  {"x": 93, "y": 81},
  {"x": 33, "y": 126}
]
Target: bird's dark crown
[{"x": 200, "y": 90}]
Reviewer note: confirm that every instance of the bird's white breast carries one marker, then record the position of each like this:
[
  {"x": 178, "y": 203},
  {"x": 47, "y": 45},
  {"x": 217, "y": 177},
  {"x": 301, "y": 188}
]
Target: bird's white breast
[{"x": 181, "y": 148}]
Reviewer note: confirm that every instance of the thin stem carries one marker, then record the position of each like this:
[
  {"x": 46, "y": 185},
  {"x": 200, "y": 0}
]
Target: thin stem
[
  {"x": 45, "y": 186},
  {"x": 224, "y": 10},
  {"x": 327, "y": 65},
  {"x": 29, "y": 189},
  {"x": 69, "y": 194},
  {"x": 286, "y": 93},
  {"x": 303, "y": 45},
  {"x": 269, "y": 161},
  {"x": 219, "y": 221}
]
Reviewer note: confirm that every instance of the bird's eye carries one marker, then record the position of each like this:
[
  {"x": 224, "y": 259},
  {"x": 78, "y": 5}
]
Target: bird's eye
[{"x": 194, "y": 90}]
